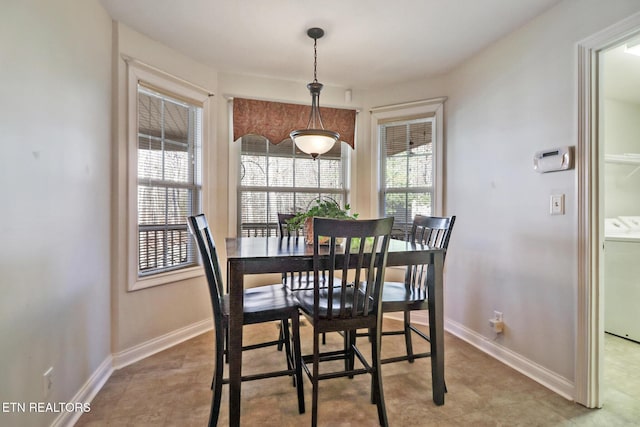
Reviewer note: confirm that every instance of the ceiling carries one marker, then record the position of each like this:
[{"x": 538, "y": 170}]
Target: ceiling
[{"x": 367, "y": 43}]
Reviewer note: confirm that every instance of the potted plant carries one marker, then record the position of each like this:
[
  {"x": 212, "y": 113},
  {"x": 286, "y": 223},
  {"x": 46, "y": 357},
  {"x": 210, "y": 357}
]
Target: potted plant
[{"x": 327, "y": 208}]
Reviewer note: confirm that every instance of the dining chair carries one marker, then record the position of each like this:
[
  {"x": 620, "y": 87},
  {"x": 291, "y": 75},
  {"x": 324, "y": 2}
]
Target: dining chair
[
  {"x": 261, "y": 304},
  {"x": 411, "y": 295},
  {"x": 283, "y": 226},
  {"x": 361, "y": 257},
  {"x": 296, "y": 280},
  {"x": 291, "y": 280}
]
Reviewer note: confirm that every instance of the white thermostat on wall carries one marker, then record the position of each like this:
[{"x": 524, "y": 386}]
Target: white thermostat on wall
[{"x": 557, "y": 159}]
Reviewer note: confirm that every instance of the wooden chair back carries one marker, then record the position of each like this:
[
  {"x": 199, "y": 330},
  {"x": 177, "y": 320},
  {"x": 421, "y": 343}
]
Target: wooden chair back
[
  {"x": 432, "y": 231},
  {"x": 200, "y": 229},
  {"x": 360, "y": 258},
  {"x": 283, "y": 229}
]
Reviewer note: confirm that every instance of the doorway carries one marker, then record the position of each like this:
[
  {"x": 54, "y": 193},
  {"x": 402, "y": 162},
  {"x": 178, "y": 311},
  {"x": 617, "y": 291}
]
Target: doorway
[
  {"x": 619, "y": 141},
  {"x": 590, "y": 342}
]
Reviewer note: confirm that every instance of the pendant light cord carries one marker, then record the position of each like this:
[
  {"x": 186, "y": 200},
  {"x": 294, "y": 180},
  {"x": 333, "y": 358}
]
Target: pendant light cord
[{"x": 315, "y": 60}]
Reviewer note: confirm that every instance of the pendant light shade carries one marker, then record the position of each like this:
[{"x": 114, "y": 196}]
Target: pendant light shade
[{"x": 315, "y": 139}]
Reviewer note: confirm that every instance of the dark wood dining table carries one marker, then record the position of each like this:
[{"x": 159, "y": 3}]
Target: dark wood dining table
[{"x": 259, "y": 255}]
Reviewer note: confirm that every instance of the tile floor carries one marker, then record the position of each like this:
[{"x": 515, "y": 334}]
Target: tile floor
[{"x": 171, "y": 388}]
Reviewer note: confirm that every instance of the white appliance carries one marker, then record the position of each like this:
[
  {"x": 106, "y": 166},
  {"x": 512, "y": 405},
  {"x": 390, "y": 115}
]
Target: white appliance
[{"x": 622, "y": 276}]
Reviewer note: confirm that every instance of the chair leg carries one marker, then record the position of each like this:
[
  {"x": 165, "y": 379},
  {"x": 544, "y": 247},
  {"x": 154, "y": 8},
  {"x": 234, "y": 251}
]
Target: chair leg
[
  {"x": 407, "y": 335},
  {"x": 283, "y": 324},
  {"x": 349, "y": 343},
  {"x": 216, "y": 384},
  {"x": 372, "y": 337},
  {"x": 226, "y": 345},
  {"x": 286, "y": 339},
  {"x": 297, "y": 359},
  {"x": 377, "y": 390},
  {"x": 314, "y": 380},
  {"x": 221, "y": 352},
  {"x": 346, "y": 343}
]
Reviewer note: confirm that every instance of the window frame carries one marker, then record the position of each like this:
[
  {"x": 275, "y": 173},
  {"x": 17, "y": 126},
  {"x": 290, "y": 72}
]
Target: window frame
[
  {"x": 342, "y": 192},
  {"x": 177, "y": 88},
  {"x": 234, "y": 158},
  {"x": 429, "y": 108}
]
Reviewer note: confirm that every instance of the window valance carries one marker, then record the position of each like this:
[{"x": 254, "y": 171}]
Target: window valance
[{"x": 275, "y": 120}]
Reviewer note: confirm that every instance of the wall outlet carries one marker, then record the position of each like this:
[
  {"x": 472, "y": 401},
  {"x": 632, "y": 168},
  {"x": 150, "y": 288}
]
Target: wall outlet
[
  {"x": 47, "y": 379},
  {"x": 497, "y": 322}
]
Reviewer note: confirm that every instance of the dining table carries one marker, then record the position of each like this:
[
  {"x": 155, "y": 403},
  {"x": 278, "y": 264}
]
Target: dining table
[{"x": 261, "y": 255}]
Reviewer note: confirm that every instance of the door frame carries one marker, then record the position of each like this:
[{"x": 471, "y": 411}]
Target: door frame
[{"x": 589, "y": 161}]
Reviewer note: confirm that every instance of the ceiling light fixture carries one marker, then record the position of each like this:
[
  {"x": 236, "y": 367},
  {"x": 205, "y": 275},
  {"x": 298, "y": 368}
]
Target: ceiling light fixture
[{"x": 315, "y": 139}]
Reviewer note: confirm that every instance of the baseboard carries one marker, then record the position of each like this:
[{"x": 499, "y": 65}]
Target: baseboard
[
  {"x": 158, "y": 344},
  {"x": 86, "y": 393},
  {"x": 126, "y": 357},
  {"x": 540, "y": 374}
]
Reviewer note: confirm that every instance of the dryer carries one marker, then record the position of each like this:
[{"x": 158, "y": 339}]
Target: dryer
[{"x": 622, "y": 276}]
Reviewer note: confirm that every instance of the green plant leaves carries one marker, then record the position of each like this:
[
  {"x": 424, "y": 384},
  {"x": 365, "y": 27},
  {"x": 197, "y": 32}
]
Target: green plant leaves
[{"x": 323, "y": 209}]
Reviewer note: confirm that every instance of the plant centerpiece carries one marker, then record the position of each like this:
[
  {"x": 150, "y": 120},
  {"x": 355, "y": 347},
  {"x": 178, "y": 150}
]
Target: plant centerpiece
[{"x": 327, "y": 208}]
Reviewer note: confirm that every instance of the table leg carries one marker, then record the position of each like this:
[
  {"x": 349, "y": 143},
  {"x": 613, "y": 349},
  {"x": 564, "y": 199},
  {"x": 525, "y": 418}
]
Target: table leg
[
  {"x": 236, "y": 293},
  {"x": 436, "y": 328}
]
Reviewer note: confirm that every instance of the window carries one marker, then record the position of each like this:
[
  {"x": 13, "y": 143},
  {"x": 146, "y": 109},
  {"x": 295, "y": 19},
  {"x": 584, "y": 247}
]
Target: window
[
  {"x": 410, "y": 162},
  {"x": 407, "y": 170},
  {"x": 165, "y": 149},
  {"x": 281, "y": 179},
  {"x": 169, "y": 181}
]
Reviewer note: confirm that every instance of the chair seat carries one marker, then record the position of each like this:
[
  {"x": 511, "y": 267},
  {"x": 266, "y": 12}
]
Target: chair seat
[
  {"x": 395, "y": 297},
  {"x": 305, "y": 299},
  {"x": 264, "y": 303},
  {"x": 395, "y": 291},
  {"x": 297, "y": 282}
]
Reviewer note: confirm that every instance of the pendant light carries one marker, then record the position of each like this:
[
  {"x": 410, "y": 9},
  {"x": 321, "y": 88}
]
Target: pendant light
[{"x": 315, "y": 139}]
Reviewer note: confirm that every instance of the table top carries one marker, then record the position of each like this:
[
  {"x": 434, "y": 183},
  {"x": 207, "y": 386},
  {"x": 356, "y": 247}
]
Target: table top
[{"x": 287, "y": 248}]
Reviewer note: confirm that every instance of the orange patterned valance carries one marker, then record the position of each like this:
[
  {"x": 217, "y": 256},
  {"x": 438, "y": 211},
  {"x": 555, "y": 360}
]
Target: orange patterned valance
[{"x": 275, "y": 120}]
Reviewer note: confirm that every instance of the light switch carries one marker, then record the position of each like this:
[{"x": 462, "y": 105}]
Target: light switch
[{"x": 557, "y": 204}]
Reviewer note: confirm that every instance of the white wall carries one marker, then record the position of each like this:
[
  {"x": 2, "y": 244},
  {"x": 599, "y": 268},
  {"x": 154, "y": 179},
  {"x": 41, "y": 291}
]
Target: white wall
[
  {"x": 621, "y": 135},
  {"x": 507, "y": 253},
  {"x": 144, "y": 315},
  {"x": 55, "y": 100}
]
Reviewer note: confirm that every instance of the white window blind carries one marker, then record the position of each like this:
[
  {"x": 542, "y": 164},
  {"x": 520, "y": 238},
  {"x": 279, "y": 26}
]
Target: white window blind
[
  {"x": 169, "y": 180},
  {"x": 407, "y": 172},
  {"x": 281, "y": 179}
]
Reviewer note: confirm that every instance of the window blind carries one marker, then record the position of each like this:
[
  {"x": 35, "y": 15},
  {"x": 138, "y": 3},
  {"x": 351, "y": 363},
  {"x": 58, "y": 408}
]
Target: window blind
[
  {"x": 407, "y": 170},
  {"x": 282, "y": 179},
  {"x": 169, "y": 180}
]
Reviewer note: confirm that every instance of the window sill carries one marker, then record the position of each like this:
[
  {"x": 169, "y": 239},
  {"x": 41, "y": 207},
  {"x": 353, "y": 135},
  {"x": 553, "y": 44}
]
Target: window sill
[{"x": 165, "y": 278}]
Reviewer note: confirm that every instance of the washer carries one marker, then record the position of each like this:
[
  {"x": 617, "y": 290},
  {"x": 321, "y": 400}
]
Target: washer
[{"x": 622, "y": 276}]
